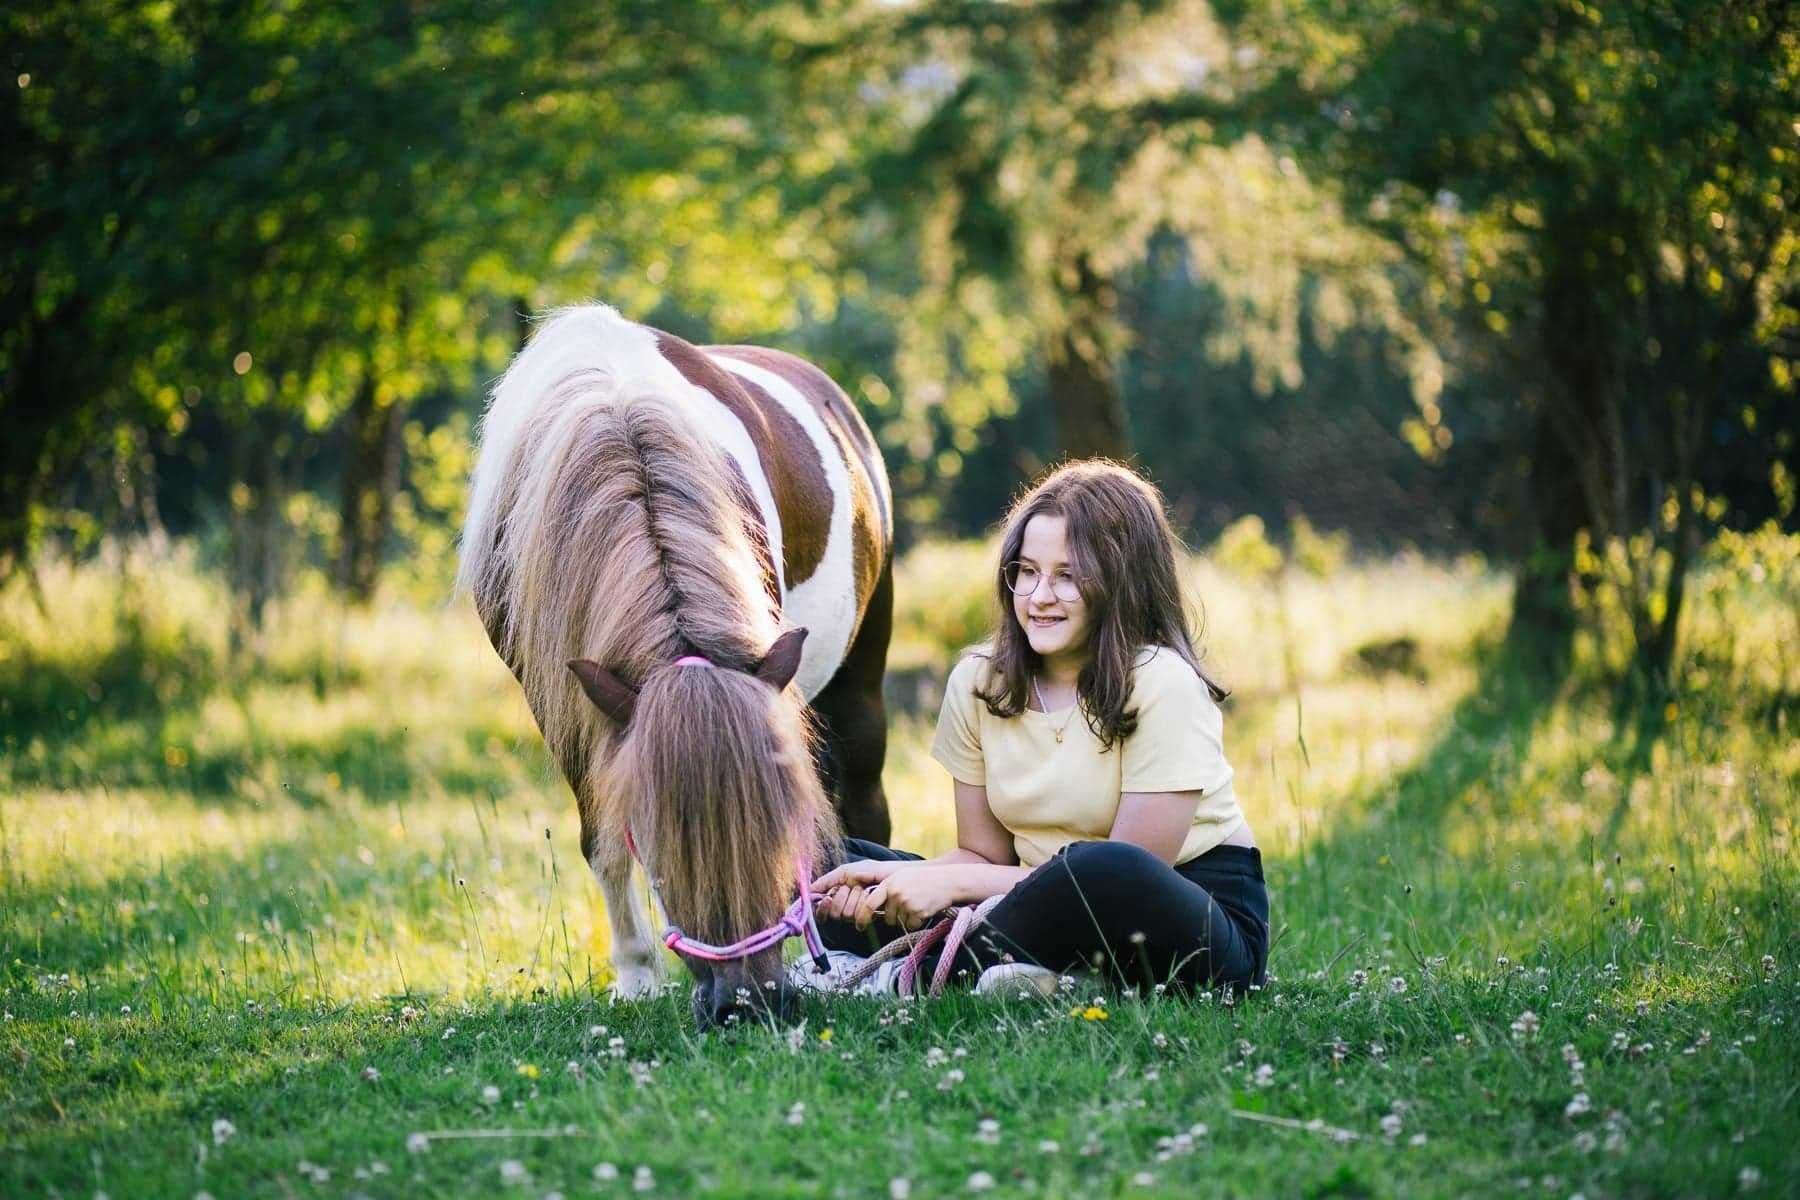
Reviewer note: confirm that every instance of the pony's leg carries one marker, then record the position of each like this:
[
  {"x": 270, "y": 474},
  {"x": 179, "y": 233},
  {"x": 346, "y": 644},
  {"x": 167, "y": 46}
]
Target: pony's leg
[
  {"x": 854, "y": 720},
  {"x": 637, "y": 968}
]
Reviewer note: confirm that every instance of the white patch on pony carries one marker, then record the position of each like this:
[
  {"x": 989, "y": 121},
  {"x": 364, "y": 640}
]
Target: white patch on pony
[
  {"x": 824, "y": 604},
  {"x": 594, "y": 338}
]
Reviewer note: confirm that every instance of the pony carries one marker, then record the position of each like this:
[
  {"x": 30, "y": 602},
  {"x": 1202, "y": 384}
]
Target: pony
[{"x": 684, "y": 554}]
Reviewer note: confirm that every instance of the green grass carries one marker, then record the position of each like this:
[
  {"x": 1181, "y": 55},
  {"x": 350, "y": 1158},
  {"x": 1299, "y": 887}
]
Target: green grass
[{"x": 332, "y": 898}]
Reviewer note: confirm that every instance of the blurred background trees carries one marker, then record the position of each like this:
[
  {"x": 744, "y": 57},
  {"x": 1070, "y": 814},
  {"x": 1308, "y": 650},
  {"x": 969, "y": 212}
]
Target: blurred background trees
[{"x": 1515, "y": 277}]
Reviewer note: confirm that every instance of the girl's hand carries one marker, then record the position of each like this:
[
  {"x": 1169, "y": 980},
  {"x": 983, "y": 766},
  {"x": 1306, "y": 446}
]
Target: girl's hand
[
  {"x": 910, "y": 897},
  {"x": 847, "y": 887},
  {"x": 860, "y": 873}
]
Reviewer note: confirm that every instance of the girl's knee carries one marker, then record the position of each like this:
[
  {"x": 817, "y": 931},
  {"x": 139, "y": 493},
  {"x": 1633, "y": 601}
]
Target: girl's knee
[{"x": 1109, "y": 860}]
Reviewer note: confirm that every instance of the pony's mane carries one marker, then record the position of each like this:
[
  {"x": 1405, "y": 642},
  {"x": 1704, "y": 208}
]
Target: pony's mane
[{"x": 602, "y": 525}]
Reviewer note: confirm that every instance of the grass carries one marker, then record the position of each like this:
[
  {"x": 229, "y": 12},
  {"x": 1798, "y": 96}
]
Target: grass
[{"x": 261, "y": 927}]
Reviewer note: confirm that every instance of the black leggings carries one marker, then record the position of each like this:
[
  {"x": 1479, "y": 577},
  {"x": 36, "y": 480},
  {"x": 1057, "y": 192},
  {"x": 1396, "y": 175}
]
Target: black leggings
[{"x": 1114, "y": 907}]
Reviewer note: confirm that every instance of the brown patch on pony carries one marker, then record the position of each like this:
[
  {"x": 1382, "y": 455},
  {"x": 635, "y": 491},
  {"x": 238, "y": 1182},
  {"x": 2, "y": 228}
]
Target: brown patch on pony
[
  {"x": 755, "y": 529},
  {"x": 855, "y": 445},
  {"x": 790, "y": 463}
]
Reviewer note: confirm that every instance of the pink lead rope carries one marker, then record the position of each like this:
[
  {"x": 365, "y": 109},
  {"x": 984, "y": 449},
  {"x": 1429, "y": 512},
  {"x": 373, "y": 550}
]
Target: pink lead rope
[{"x": 798, "y": 921}]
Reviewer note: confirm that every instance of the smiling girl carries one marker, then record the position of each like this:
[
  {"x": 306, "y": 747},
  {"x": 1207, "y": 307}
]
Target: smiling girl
[{"x": 1092, "y": 789}]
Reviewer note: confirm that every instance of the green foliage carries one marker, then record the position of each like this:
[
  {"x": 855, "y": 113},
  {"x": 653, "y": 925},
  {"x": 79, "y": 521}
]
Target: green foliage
[{"x": 1614, "y": 188}]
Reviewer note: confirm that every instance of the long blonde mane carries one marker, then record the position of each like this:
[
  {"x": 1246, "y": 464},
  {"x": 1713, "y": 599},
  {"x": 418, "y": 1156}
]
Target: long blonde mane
[{"x": 602, "y": 525}]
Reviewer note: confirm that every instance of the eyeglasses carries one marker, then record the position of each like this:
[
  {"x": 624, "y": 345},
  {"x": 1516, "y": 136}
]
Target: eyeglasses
[{"x": 1022, "y": 579}]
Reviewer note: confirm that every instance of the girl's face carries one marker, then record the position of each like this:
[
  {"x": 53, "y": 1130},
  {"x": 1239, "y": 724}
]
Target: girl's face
[{"x": 1056, "y": 628}]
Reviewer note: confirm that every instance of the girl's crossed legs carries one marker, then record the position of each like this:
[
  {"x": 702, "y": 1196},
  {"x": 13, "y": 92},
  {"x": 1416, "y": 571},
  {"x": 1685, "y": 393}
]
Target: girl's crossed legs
[{"x": 1114, "y": 907}]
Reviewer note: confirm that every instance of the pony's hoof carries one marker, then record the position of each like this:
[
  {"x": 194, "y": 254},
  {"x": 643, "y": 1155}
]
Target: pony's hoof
[{"x": 636, "y": 983}]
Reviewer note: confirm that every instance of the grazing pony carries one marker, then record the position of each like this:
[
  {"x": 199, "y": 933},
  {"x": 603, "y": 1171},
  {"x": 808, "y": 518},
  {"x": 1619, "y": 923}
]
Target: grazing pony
[{"x": 646, "y": 517}]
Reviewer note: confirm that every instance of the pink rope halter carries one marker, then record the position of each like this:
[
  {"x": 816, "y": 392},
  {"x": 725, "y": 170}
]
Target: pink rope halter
[{"x": 798, "y": 921}]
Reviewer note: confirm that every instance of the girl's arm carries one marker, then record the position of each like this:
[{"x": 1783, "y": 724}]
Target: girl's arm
[
  {"x": 982, "y": 865},
  {"x": 1157, "y": 821}
]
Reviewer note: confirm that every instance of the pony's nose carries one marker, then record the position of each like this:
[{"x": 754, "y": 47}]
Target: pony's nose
[{"x": 735, "y": 1003}]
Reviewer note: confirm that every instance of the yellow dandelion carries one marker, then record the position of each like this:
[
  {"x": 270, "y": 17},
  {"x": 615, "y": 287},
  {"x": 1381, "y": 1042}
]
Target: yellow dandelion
[
  {"x": 1092, "y": 1012},
  {"x": 528, "y": 1070},
  {"x": 825, "y": 1034}
]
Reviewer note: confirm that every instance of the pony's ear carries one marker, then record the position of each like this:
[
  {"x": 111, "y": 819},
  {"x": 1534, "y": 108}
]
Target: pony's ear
[
  {"x": 610, "y": 694},
  {"x": 783, "y": 659}
]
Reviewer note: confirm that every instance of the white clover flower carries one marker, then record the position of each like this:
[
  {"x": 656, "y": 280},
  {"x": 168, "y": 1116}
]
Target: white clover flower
[
  {"x": 604, "y": 1172},
  {"x": 1143, "y": 1179},
  {"x": 935, "y": 1056},
  {"x": 512, "y": 1171},
  {"x": 1359, "y": 979},
  {"x": 987, "y": 1131},
  {"x": 1749, "y": 1179},
  {"x": 1049, "y": 1146},
  {"x": 1526, "y": 1025},
  {"x": 371, "y": 1074},
  {"x": 417, "y": 1143},
  {"x": 1768, "y": 969},
  {"x": 1265, "y": 1075},
  {"x": 1417, "y": 1139},
  {"x": 223, "y": 1131},
  {"x": 1579, "y": 1105},
  {"x": 1585, "y": 1141},
  {"x": 951, "y": 1078},
  {"x": 796, "y": 1113},
  {"x": 1390, "y": 1125},
  {"x": 980, "y": 1181},
  {"x": 1397, "y": 985},
  {"x": 899, "y": 1188},
  {"x": 643, "y": 1180}
]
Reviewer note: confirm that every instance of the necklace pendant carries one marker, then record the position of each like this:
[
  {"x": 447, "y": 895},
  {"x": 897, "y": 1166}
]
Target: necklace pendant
[{"x": 1058, "y": 734}]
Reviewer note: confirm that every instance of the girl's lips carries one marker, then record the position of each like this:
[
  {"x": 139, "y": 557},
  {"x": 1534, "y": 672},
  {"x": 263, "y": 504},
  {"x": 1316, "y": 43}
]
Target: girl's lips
[{"x": 1047, "y": 620}]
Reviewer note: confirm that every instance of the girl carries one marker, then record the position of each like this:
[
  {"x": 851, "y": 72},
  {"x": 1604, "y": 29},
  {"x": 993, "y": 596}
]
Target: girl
[{"x": 1092, "y": 788}]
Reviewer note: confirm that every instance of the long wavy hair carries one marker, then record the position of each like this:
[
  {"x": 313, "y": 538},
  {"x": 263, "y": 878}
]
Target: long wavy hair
[{"x": 1123, "y": 550}]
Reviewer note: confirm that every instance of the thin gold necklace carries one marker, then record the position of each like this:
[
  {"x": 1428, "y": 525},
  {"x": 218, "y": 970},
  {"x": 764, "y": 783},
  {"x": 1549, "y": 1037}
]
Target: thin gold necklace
[{"x": 1045, "y": 708}]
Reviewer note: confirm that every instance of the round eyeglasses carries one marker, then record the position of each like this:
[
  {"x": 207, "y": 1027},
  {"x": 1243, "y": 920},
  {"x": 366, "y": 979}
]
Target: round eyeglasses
[{"x": 1022, "y": 579}]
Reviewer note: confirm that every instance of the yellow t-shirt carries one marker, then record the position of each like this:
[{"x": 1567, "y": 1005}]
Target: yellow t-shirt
[{"x": 1049, "y": 794}]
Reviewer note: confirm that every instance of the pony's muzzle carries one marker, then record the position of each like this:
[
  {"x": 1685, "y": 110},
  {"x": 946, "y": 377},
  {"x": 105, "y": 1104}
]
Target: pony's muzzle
[{"x": 753, "y": 991}]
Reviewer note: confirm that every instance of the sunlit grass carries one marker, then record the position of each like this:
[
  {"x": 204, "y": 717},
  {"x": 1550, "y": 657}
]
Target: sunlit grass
[{"x": 263, "y": 879}]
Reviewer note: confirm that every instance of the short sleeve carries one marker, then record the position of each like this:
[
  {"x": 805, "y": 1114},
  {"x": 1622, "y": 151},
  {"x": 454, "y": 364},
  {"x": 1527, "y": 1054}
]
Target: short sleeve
[
  {"x": 958, "y": 741},
  {"x": 1178, "y": 745}
]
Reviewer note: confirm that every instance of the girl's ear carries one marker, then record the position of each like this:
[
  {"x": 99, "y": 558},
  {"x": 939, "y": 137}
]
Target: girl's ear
[
  {"x": 783, "y": 659},
  {"x": 610, "y": 694}
]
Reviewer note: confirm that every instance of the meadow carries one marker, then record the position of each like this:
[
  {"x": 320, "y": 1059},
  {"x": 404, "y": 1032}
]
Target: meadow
[{"x": 316, "y": 924}]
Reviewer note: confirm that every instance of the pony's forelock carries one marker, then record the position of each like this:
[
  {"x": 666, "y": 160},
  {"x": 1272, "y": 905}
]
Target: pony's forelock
[{"x": 710, "y": 825}]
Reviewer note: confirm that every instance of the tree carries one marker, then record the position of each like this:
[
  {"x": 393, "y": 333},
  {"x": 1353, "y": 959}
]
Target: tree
[
  {"x": 293, "y": 217},
  {"x": 1618, "y": 185},
  {"x": 1027, "y": 154}
]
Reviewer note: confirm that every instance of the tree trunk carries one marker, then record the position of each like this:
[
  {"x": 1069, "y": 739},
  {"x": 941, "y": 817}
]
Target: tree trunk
[
  {"x": 371, "y": 479},
  {"x": 1084, "y": 391},
  {"x": 1577, "y": 478}
]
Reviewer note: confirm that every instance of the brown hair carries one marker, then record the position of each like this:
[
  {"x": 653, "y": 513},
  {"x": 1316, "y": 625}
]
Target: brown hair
[
  {"x": 1123, "y": 550},
  {"x": 715, "y": 774}
]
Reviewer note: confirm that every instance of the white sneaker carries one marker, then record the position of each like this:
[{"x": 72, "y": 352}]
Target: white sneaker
[
  {"x": 841, "y": 964},
  {"x": 1017, "y": 981}
]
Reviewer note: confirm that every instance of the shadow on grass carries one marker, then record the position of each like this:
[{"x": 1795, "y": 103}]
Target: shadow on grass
[{"x": 1394, "y": 826}]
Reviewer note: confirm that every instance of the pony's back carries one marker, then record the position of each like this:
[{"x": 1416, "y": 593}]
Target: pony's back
[{"x": 602, "y": 524}]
